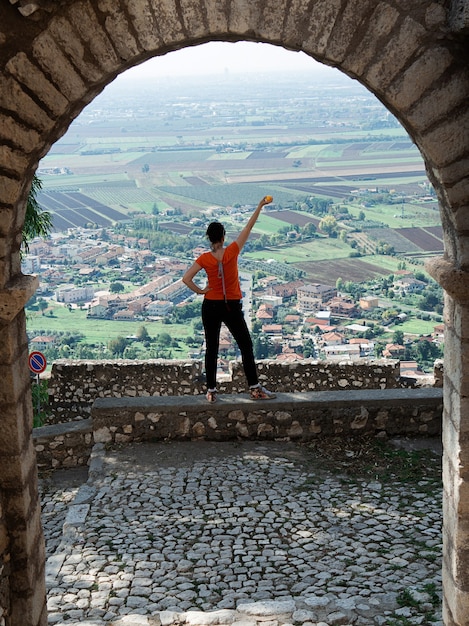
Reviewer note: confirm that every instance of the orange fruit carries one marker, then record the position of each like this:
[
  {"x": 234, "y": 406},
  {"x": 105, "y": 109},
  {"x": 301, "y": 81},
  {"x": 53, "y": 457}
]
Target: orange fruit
[{"x": 268, "y": 198}]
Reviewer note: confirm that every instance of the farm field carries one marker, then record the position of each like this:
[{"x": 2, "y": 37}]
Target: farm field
[
  {"x": 98, "y": 331},
  {"x": 415, "y": 327},
  {"x": 348, "y": 269},
  {"x": 197, "y": 149},
  {"x": 315, "y": 250}
]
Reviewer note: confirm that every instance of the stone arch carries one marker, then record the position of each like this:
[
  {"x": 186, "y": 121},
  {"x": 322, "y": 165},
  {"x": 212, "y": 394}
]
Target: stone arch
[{"x": 56, "y": 56}]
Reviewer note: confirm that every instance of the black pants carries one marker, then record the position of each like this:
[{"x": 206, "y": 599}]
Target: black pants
[{"x": 214, "y": 312}]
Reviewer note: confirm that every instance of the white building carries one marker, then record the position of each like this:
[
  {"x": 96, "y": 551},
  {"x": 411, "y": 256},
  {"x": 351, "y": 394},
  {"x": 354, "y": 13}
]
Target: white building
[
  {"x": 30, "y": 264},
  {"x": 68, "y": 294},
  {"x": 159, "y": 308}
]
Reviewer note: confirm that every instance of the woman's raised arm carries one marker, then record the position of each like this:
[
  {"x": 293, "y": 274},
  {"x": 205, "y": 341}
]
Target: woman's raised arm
[{"x": 244, "y": 234}]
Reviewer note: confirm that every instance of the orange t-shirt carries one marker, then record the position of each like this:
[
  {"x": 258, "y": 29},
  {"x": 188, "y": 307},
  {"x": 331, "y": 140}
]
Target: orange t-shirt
[{"x": 230, "y": 270}]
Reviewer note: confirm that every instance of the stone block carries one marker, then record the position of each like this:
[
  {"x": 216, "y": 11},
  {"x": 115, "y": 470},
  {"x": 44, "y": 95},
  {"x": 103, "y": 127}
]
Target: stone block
[
  {"x": 12, "y": 131},
  {"x": 22, "y": 106},
  {"x": 65, "y": 35},
  {"x": 447, "y": 143},
  {"x": 309, "y": 26},
  {"x": 349, "y": 22},
  {"x": 16, "y": 470},
  {"x": 418, "y": 78},
  {"x": 86, "y": 23},
  {"x": 380, "y": 26},
  {"x": 440, "y": 101},
  {"x": 119, "y": 30},
  {"x": 395, "y": 55},
  {"x": 145, "y": 25},
  {"x": 29, "y": 75},
  {"x": 53, "y": 62}
]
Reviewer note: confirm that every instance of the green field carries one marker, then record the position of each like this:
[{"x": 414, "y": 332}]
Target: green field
[
  {"x": 416, "y": 327},
  {"x": 398, "y": 215},
  {"x": 96, "y": 331},
  {"x": 316, "y": 250}
]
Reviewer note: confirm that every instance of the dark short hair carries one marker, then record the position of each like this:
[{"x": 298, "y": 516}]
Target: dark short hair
[{"x": 215, "y": 232}]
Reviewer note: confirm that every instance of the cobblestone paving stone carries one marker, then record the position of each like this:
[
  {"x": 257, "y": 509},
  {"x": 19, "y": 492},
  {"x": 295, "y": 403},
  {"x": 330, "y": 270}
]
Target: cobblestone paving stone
[{"x": 247, "y": 534}]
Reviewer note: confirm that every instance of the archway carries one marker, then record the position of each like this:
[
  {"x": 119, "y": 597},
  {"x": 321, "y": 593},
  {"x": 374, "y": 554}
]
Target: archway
[{"x": 56, "y": 57}]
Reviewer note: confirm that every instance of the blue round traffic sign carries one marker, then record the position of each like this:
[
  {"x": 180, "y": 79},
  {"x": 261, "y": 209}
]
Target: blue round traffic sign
[{"x": 37, "y": 362}]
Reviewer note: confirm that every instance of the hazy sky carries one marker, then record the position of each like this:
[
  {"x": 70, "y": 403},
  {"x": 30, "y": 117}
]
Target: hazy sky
[{"x": 221, "y": 57}]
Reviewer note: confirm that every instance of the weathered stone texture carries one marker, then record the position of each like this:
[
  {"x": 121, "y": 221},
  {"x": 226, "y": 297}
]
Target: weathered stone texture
[
  {"x": 421, "y": 76},
  {"x": 54, "y": 63},
  {"x": 396, "y": 53},
  {"x": 74, "y": 385},
  {"x": 4, "y": 569},
  {"x": 63, "y": 445},
  {"x": 347, "y": 29},
  {"x": 379, "y": 29},
  {"x": 448, "y": 142},
  {"x": 29, "y": 75},
  {"x": 288, "y": 417},
  {"x": 99, "y": 47},
  {"x": 317, "y": 28},
  {"x": 143, "y": 21},
  {"x": 21, "y": 105},
  {"x": 444, "y": 96}
]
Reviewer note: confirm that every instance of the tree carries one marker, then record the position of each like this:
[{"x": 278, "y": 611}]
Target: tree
[
  {"x": 328, "y": 225},
  {"x": 117, "y": 346},
  {"x": 398, "y": 337},
  {"x": 116, "y": 287},
  {"x": 42, "y": 304},
  {"x": 37, "y": 223},
  {"x": 142, "y": 334},
  {"x": 163, "y": 339}
]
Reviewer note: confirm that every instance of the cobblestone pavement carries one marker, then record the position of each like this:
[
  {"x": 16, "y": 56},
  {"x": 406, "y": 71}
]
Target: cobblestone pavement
[{"x": 226, "y": 533}]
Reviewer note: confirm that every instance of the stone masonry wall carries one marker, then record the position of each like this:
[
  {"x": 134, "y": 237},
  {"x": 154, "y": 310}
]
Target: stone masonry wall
[
  {"x": 4, "y": 569},
  {"x": 73, "y": 386},
  {"x": 289, "y": 417},
  {"x": 76, "y": 388}
]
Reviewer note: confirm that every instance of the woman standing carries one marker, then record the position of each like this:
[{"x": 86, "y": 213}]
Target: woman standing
[{"x": 222, "y": 303}]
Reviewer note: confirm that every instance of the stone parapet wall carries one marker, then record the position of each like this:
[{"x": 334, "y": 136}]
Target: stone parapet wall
[
  {"x": 298, "y": 416},
  {"x": 74, "y": 385},
  {"x": 63, "y": 445},
  {"x": 289, "y": 417}
]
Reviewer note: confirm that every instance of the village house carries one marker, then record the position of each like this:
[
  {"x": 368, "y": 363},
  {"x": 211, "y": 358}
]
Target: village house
[
  {"x": 319, "y": 322},
  {"x": 285, "y": 290},
  {"x": 68, "y": 294},
  {"x": 368, "y": 302},
  {"x": 292, "y": 319},
  {"x": 312, "y": 296},
  {"x": 124, "y": 315},
  {"x": 410, "y": 368},
  {"x": 342, "y": 352},
  {"x": 159, "y": 308},
  {"x": 176, "y": 292},
  {"x": 408, "y": 284},
  {"x": 343, "y": 307},
  {"x": 393, "y": 351},
  {"x": 438, "y": 333},
  {"x": 272, "y": 330},
  {"x": 264, "y": 313},
  {"x": 367, "y": 348},
  {"x": 88, "y": 255},
  {"x": 139, "y": 304},
  {"x": 332, "y": 339},
  {"x": 41, "y": 342}
]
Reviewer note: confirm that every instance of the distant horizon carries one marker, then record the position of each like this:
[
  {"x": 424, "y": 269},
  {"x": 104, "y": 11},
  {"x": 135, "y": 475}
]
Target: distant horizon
[{"x": 225, "y": 59}]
